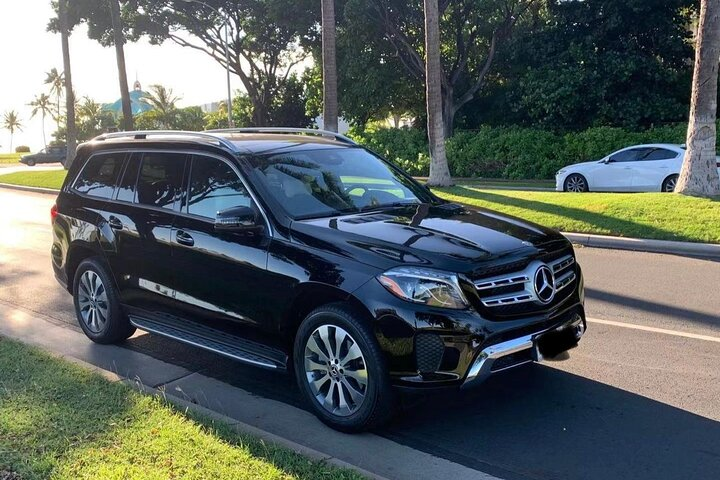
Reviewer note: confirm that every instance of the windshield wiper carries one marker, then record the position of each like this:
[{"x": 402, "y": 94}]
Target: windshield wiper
[{"x": 368, "y": 208}]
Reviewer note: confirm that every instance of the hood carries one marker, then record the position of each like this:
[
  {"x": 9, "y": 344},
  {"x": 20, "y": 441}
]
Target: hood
[
  {"x": 581, "y": 164},
  {"x": 447, "y": 236}
]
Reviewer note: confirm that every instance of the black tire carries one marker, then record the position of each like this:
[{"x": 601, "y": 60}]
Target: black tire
[
  {"x": 576, "y": 183},
  {"x": 116, "y": 326},
  {"x": 31, "y": 163},
  {"x": 669, "y": 184},
  {"x": 379, "y": 402}
]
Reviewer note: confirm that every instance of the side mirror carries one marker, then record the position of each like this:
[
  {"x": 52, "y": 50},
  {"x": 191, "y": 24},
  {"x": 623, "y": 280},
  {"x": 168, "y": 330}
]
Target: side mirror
[
  {"x": 608, "y": 160},
  {"x": 238, "y": 219}
]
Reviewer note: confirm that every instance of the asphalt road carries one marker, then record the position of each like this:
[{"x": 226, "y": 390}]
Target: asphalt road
[{"x": 631, "y": 402}]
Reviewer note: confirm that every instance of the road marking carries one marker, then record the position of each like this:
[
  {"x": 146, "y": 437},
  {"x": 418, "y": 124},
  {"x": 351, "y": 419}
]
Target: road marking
[{"x": 676, "y": 333}]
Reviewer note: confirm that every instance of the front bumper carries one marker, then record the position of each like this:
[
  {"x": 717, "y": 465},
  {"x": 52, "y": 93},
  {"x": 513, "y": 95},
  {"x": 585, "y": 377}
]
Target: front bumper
[{"x": 528, "y": 348}]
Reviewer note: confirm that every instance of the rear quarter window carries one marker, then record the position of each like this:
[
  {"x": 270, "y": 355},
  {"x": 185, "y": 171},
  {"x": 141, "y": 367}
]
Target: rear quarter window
[{"x": 100, "y": 174}]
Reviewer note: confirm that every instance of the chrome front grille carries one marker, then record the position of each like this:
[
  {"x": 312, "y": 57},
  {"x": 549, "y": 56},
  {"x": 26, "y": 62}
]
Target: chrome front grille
[{"x": 518, "y": 287}]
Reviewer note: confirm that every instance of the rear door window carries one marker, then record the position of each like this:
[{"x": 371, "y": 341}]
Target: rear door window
[
  {"x": 159, "y": 181},
  {"x": 100, "y": 174},
  {"x": 660, "y": 154}
]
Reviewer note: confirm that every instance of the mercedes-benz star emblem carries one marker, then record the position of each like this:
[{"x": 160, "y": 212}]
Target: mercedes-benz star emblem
[{"x": 544, "y": 284}]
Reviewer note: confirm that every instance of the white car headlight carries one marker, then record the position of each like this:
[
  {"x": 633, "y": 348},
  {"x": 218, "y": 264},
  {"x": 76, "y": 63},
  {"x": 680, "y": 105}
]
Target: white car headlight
[
  {"x": 429, "y": 287},
  {"x": 561, "y": 171}
]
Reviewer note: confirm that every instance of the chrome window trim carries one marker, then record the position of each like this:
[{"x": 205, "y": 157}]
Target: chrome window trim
[{"x": 173, "y": 211}]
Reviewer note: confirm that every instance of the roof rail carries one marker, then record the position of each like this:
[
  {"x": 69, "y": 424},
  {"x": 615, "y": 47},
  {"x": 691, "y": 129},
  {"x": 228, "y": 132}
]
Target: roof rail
[
  {"x": 309, "y": 131},
  {"x": 143, "y": 134}
]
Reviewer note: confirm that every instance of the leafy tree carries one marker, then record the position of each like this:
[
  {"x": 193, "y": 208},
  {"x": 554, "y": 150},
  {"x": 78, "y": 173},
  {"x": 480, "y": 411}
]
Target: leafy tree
[
  {"x": 163, "y": 103},
  {"x": 575, "y": 64},
  {"x": 42, "y": 105},
  {"x": 12, "y": 123},
  {"x": 56, "y": 80},
  {"x": 472, "y": 32},
  {"x": 288, "y": 108},
  {"x": 92, "y": 120},
  {"x": 265, "y": 38}
]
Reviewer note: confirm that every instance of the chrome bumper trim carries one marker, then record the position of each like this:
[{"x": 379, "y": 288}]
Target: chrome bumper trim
[{"x": 481, "y": 368}]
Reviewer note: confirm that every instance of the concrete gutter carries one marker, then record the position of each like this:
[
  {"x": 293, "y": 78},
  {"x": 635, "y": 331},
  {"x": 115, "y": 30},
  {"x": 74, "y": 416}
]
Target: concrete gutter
[{"x": 693, "y": 249}]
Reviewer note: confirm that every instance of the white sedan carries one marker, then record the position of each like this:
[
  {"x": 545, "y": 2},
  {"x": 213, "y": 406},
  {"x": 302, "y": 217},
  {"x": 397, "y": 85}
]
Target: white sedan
[{"x": 640, "y": 168}]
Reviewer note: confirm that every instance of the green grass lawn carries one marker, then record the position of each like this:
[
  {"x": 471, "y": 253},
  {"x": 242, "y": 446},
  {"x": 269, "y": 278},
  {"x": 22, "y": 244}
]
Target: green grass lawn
[
  {"x": 40, "y": 178},
  {"x": 11, "y": 157},
  {"x": 644, "y": 215},
  {"x": 60, "y": 421}
]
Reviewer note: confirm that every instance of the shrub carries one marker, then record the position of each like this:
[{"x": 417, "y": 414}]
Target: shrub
[
  {"x": 22, "y": 149},
  {"x": 510, "y": 152}
]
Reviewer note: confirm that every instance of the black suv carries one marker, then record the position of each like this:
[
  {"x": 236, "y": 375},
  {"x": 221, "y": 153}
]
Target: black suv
[{"x": 299, "y": 250}]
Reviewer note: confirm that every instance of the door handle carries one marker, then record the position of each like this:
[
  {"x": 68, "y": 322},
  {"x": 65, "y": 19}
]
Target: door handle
[
  {"x": 115, "y": 223},
  {"x": 184, "y": 238}
]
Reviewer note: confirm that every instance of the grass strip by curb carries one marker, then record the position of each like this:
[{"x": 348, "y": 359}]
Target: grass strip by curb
[
  {"x": 59, "y": 420},
  {"x": 41, "y": 178},
  {"x": 659, "y": 216},
  {"x": 11, "y": 157}
]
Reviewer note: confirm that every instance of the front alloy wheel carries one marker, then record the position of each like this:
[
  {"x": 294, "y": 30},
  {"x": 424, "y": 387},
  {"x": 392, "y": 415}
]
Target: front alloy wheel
[
  {"x": 576, "y": 183},
  {"x": 340, "y": 369},
  {"x": 336, "y": 371}
]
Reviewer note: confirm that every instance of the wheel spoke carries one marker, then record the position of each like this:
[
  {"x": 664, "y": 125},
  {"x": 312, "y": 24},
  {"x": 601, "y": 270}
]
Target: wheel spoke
[
  {"x": 312, "y": 366},
  {"x": 353, "y": 353},
  {"x": 314, "y": 347},
  {"x": 329, "y": 400},
  {"x": 356, "y": 396},
  {"x": 360, "y": 376},
  {"x": 324, "y": 333}
]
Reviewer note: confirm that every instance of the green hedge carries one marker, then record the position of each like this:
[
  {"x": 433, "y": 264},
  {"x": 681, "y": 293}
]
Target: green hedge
[{"x": 510, "y": 152}]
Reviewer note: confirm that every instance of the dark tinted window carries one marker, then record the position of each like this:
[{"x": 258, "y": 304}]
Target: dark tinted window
[
  {"x": 214, "y": 186},
  {"x": 632, "y": 155},
  {"x": 660, "y": 154},
  {"x": 126, "y": 187},
  {"x": 100, "y": 174},
  {"x": 160, "y": 180}
]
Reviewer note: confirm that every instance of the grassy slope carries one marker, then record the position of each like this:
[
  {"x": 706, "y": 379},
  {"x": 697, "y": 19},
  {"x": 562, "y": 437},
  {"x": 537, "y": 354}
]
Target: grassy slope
[
  {"x": 58, "y": 420},
  {"x": 41, "y": 178},
  {"x": 643, "y": 215},
  {"x": 11, "y": 157}
]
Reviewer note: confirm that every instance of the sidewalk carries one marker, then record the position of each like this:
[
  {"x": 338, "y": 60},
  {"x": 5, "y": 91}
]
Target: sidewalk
[{"x": 275, "y": 421}]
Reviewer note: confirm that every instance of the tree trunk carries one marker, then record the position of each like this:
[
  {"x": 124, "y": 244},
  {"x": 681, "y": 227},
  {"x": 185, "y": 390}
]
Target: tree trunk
[
  {"x": 699, "y": 175},
  {"x": 11, "y": 141},
  {"x": 439, "y": 171},
  {"x": 260, "y": 115},
  {"x": 71, "y": 132},
  {"x": 448, "y": 111},
  {"x": 119, "y": 38},
  {"x": 330, "y": 101},
  {"x": 43, "y": 127}
]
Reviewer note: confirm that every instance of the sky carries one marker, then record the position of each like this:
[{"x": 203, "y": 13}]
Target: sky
[{"x": 28, "y": 51}]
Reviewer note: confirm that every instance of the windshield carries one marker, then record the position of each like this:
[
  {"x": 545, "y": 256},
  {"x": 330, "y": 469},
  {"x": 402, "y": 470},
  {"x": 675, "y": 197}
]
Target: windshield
[{"x": 325, "y": 182}]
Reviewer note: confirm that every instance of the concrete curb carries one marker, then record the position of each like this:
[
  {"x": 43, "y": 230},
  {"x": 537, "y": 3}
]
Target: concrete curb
[
  {"x": 705, "y": 250},
  {"x": 49, "y": 191}
]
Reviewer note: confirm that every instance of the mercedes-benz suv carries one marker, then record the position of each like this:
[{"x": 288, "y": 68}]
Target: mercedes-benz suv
[{"x": 299, "y": 250}]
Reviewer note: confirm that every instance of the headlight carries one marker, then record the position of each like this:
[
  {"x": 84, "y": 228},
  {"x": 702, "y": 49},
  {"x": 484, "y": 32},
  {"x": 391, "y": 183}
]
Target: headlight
[
  {"x": 429, "y": 287},
  {"x": 561, "y": 171}
]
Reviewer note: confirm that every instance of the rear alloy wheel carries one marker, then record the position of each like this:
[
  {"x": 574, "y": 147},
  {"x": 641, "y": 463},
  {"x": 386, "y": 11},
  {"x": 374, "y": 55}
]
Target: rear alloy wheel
[
  {"x": 31, "y": 163},
  {"x": 97, "y": 305},
  {"x": 341, "y": 371},
  {"x": 670, "y": 183},
  {"x": 576, "y": 183}
]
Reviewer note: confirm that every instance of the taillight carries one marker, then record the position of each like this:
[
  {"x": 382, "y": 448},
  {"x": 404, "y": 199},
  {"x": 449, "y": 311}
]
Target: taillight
[{"x": 53, "y": 213}]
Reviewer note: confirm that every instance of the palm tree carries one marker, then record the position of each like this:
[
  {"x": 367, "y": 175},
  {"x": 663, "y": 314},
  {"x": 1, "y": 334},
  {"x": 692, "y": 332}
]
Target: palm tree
[
  {"x": 119, "y": 40},
  {"x": 56, "y": 80},
  {"x": 330, "y": 101},
  {"x": 439, "y": 171},
  {"x": 699, "y": 175},
  {"x": 163, "y": 101},
  {"x": 11, "y": 122},
  {"x": 41, "y": 104},
  {"x": 69, "y": 94}
]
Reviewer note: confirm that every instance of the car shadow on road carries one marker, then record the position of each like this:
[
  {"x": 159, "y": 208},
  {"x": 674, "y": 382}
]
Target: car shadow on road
[
  {"x": 532, "y": 422},
  {"x": 652, "y": 307},
  {"x": 540, "y": 422}
]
